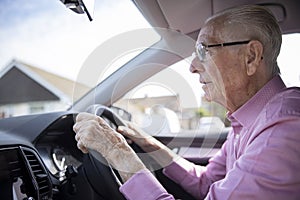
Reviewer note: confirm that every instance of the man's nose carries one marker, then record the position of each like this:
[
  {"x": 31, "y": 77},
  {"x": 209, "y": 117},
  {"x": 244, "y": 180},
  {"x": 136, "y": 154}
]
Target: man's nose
[{"x": 196, "y": 66}]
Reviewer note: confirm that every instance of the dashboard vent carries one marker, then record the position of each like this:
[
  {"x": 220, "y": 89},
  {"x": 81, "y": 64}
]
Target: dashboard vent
[
  {"x": 14, "y": 176},
  {"x": 14, "y": 165},
  {"x": 39, "y": 173}
]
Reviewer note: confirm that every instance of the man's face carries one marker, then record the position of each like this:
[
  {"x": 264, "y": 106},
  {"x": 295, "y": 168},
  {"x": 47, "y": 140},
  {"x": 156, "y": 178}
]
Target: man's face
[{"x": 222, "y": 73}]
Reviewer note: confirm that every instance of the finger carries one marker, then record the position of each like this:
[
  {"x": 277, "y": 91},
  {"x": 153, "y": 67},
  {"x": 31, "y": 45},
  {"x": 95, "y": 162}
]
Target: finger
[
  {"x": 126, "y": 131},
  {"x": 82, "y": 125},
  {"x": 129, "y": 141},
  {"x": 83, "y": 129},
  {"x": 123, "y": 130},
  {"x": 77, "y": 136},
  {"x": 85, "y": 117},
  {"x": 133, "y": 126},
  {"x": 82, "y": 147},
  {"x": 102, "y": 122},
  {"x": 79, "y": 126},
  {"x": 139, "y": 133},
  {"x": 76, "y": 128}
]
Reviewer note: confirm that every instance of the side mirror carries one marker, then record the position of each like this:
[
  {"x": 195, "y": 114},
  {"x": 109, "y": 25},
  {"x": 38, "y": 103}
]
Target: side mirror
[{"x": 81, "y": 6}]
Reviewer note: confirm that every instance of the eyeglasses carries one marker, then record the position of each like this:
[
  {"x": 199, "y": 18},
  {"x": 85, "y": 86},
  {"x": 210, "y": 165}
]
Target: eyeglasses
[{"x": 201, "y": 49}]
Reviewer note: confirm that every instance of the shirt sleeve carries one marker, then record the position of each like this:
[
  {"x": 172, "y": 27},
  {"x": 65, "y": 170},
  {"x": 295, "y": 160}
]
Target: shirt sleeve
[
  {"x": 143, "y": 185},
  {"x": 195, "y": 179}
]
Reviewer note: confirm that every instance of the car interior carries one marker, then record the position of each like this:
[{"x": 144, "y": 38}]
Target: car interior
[{"x": 39, "y": 158}]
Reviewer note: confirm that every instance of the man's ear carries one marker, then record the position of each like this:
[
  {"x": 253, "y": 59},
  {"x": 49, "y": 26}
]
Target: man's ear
[{"x": 254, "y": 56}]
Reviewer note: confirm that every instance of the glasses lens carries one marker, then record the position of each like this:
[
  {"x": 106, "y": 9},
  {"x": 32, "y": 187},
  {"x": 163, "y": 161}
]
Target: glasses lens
[{"x": 201, "y": 51}]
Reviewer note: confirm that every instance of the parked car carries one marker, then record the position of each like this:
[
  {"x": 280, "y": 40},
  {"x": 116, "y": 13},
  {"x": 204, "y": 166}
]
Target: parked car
[{"x": 39, "y": 158}]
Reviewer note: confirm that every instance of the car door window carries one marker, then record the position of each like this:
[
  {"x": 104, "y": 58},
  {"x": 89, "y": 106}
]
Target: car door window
[{"x": 171, "y": 101}]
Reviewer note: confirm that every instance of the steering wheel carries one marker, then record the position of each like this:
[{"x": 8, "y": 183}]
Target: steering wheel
[{"x": 103, "y": 178}]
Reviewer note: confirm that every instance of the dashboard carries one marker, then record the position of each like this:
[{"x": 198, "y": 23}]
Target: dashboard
[
  {"x": 39, "y": 160},
  {"x": 57, "y": 147},
  {"x": 38, "y": 155}
]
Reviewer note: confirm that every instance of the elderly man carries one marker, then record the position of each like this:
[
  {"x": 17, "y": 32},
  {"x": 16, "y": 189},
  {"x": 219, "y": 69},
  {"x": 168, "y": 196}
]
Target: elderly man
[{"x": 236, "y": 55}]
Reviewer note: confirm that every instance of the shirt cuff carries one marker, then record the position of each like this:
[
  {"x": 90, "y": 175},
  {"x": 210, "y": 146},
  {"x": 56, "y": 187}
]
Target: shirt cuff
[
  {"x": 143, "y": 185},
  {"x": 178, "y": 170}
]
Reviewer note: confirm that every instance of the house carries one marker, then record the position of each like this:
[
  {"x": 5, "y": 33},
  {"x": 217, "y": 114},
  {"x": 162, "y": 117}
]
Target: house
[{"x": 25, "y": 89}]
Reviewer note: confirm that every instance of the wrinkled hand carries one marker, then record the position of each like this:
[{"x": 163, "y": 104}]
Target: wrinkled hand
[
  {"x": 138, "y": 136},
  {"x": 161, "y": 153},
  {"x": 92, "y": 132}
]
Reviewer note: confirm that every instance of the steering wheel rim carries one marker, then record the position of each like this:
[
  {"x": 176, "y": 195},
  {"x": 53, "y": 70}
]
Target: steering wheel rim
[{"x": 95, "y": 162}]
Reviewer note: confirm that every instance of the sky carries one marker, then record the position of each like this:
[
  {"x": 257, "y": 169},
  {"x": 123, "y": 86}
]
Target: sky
[
  {"x": 45, "y": 34},
  {"x": 288, "y": 59}
]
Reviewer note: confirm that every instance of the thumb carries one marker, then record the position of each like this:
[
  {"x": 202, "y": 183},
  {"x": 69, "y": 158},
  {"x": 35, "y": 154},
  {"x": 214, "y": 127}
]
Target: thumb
[{"x": 126, "y": 131}]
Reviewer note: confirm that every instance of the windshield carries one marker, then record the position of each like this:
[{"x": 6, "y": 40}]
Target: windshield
[{"x": 44, "y": 44}]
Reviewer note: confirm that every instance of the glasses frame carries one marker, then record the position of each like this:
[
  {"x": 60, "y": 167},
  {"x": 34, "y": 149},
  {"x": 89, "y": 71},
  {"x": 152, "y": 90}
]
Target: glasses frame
[{"x": 201, "y": 48}]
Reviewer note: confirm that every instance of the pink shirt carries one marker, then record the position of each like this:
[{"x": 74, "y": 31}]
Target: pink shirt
[{"x": 259, "y": 160}]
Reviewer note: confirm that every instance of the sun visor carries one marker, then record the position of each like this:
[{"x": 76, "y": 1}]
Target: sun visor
[
  {"x": 286, "y": 12},
  {"x": 186, "y": 17}
]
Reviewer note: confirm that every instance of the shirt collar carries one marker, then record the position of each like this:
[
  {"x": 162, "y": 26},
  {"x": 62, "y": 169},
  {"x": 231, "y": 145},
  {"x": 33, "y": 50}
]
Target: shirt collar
[{"x": 247, "y": 113}]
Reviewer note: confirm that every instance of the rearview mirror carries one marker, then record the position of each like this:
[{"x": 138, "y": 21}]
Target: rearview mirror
[{"x": 81, "y": 6}]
